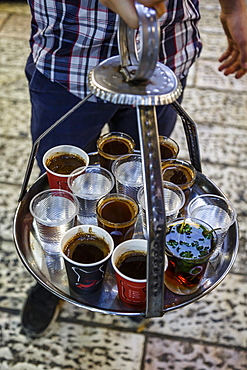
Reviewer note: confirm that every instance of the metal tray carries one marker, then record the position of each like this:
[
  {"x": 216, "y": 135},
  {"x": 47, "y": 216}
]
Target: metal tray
[{"x": 50, "y": 271}]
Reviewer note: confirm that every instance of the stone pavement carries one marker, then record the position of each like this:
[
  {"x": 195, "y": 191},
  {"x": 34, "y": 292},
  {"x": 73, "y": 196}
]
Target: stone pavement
[{"x": 210, "y": 333}]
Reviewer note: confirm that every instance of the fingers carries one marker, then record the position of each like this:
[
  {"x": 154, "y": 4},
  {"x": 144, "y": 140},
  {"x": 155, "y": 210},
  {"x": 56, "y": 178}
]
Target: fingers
[
  {"x": 158, "y": 5},
  {"x": 231, "y": 63},
  {"x": 229, "y": 58},
  {"x": 225, "y": 55},
  {"x": 126, "y": 9},
  {"x": 243, "y": 54},
  {"x": 160, "y": 9},
  {"x": 240, "y": 73}
]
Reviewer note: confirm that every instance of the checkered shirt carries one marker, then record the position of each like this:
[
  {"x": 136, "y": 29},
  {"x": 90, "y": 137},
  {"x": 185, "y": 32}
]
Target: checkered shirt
[{"x": 70, "y": 37}]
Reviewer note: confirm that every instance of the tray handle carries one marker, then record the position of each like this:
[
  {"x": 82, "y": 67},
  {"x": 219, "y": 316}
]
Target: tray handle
[
  {"x": 35, "y": 145},
  {"x": 191, "y": 136},
  {"x": 149, "y": 46}
]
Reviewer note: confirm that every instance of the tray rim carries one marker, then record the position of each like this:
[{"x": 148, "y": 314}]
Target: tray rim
[{"x": 42, "y": 279}]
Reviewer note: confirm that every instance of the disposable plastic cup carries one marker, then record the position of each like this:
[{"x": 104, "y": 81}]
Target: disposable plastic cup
[
  {"x": 86, "y": 250},
  {"x": 129, "y": 260},
  {"x": 90, "y": 184},
  {"x": 54, "y": 212},
  {"x": 174, "y": 199},
  {"x": 117, "y": 214},
  {"x": 179, "y": 172},
  {"x": 112, "y": 145},
  {"x": 216, "y": 210},
  {"x": 131, "y": 291},
  {"x": 127, "y": 170},
  {"x": 169, "y": 149},
  {"x": 58, "y": 175}
]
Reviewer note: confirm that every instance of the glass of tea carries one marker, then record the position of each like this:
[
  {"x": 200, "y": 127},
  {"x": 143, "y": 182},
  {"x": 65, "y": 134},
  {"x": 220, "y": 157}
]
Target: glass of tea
[
  {"x": 190, "y": 243},
  {"x": 129, "y": 260},
  {"x": 179, "y": 172},
  {"x": 112, "y": 145},
  {"x": 117, "y": 214},
  {"x": 174, "y": 199},
  {"x": 86, "y": 250},
  {"x": 60, "y": 161},
  {"x": 127, "y": 170},
  {"x": 169, "y": 149}
]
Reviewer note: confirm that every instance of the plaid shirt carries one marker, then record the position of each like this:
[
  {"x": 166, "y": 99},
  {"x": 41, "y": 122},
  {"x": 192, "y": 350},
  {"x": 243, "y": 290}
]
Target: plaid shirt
[{"x": 69, "y": 38}]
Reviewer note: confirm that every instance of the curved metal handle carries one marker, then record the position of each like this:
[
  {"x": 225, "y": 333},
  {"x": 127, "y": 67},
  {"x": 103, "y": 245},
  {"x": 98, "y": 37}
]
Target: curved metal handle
[
  {"x": 191, "y": 136},
  {"x": 140, "y": 68},
  {"x": 37, "y": 141}
]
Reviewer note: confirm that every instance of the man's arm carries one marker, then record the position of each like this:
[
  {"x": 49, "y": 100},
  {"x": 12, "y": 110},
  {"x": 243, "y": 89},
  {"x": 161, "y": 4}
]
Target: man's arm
[{"x": 234, "y": 21}]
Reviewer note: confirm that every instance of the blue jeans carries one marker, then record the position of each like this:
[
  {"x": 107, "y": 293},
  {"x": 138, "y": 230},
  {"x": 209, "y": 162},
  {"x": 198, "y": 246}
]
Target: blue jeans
[{"x": 50, "y": 101}]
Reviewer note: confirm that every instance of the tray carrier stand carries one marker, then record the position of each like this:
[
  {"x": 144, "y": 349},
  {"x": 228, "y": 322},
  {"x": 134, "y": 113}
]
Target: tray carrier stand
[{"x": 137, "y": 79}]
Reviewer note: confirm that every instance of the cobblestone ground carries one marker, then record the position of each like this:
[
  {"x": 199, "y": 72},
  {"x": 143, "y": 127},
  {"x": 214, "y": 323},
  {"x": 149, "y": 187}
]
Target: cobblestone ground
[{"x": 210, "y": 333}]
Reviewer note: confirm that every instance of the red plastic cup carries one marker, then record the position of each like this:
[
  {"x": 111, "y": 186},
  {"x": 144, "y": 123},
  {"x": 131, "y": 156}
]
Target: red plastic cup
[
  {"x": 57, "y": 180},
  {"x": 131, "y": 292}
]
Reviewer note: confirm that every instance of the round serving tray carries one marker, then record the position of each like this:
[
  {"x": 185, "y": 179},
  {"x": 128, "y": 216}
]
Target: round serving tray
[{"x": 50, "y": 271}]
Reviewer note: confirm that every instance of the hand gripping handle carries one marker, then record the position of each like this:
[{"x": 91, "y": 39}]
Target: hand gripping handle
[{"x": 139, "y": 67}]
